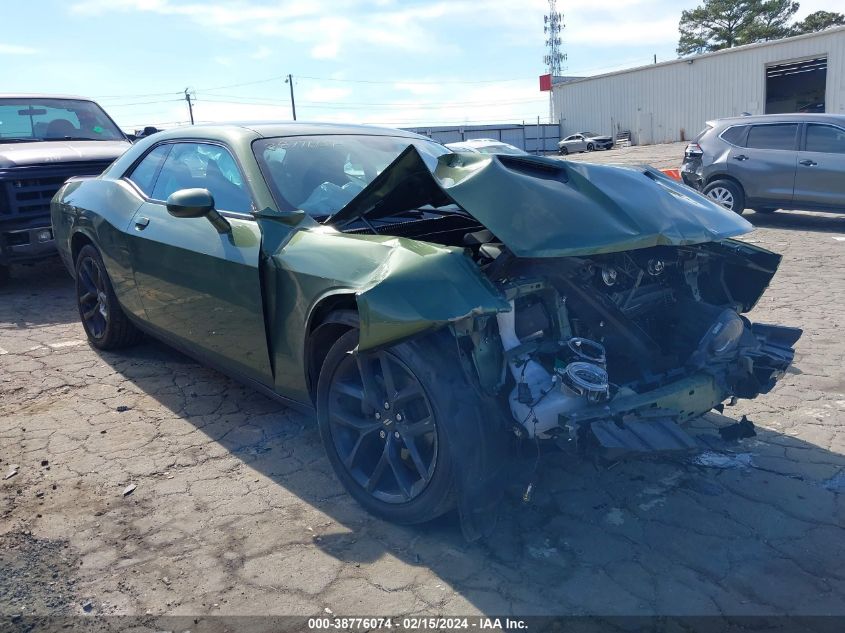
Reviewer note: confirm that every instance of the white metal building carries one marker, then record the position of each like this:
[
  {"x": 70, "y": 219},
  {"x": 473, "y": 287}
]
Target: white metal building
[{"x": 671, "y": 101}]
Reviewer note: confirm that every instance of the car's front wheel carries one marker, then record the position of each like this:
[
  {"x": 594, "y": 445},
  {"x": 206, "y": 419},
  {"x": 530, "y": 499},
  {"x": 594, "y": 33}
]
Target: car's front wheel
[
  {"x": 590, "y": 147},
  {"x": 105, "y": 323},
  {"x": 727, "y": 193},
  {"x": 390, "y": 421}
]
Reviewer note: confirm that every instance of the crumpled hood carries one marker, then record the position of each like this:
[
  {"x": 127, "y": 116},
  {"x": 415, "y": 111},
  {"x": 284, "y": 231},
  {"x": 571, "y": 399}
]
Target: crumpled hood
[
  {"x": 542, "y": 207},
  {"x": 46, "y": 152}
]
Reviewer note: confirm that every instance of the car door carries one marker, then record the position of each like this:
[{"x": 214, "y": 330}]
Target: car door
[
  {"x": 574, "y": 143},
  {"x": 766, "y": 165},
  {"x": 820, "y": 174},
  {"x": 201, "y": 288}
]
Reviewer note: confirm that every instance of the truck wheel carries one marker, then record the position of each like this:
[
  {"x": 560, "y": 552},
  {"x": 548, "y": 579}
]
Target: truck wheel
[
  {"x": 391, "y": 420},
  {"x": 105, "y": 323},
  {"x": 727, "y": 193}
]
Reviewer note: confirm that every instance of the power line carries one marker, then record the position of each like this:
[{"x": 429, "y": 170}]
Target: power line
[
  {"x": 389, "y": 104},
  {"x": 123, "y": 105},
  {"x": 359, "y": 106},
  {"x": 412, "y": 81}
]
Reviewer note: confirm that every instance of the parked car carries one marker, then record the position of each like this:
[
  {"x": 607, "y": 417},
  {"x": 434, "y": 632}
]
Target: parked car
[
  {"x": 435, "y": 309},
  {"x": 486, "y": 146},
  {"x": 574, "y": 143},
  {"x": 44, "y": 140},
  {"x": 598, "y": 141},
  {"x": 768, "y": 162}
]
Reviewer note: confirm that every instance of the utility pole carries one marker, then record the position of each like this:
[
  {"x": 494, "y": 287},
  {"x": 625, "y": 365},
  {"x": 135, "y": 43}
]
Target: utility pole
[
  {"x": 554, "y": 57},
  {"x": 289, "y": 81},
  {"x": 190, "y": 105}
]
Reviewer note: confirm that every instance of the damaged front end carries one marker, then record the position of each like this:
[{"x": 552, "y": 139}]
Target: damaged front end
[
  {"x": 620, "y": 293},
  {"x": 616, "y": 351}
]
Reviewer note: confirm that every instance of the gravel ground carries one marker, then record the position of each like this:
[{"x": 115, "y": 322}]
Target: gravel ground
[
  {"x": 665, "y": 156},
  {"x": 236, "y": 510}
]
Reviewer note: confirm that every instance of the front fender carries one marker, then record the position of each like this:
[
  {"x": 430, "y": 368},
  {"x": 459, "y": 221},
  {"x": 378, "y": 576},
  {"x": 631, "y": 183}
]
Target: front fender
[{"x": 421, "y": 287}]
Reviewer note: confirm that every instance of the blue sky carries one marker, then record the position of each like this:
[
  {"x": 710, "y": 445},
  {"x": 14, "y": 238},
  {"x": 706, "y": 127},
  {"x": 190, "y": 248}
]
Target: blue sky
[{"x": 380, "y": 61}]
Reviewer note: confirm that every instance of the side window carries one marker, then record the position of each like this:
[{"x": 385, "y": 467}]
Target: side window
[
  {"x": 735, "y": 135},
  {"x": 779, "y": 136},
  {"x": 145, "y": 172},
  {"x": 205, "y": 166},
  {"x": 825, "y": 138}
]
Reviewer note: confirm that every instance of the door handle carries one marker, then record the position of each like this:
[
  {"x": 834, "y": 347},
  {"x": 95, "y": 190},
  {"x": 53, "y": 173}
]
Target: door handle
[
  {"x": 807, "y": 162},
  {"x": 741, "y": 157},
  {"x": 141, "y": 223}
]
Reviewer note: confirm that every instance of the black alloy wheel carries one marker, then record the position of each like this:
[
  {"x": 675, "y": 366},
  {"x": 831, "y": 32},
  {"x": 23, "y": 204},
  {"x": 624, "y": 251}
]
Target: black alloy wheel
[
  {"x": 383, "y": 426},
  {"x": 92, "y": 297},
  {"x": 105, "y": 323}
]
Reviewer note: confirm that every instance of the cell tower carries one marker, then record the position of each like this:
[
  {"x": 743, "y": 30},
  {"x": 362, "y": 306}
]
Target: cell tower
[{"x": 554, "y": 58}]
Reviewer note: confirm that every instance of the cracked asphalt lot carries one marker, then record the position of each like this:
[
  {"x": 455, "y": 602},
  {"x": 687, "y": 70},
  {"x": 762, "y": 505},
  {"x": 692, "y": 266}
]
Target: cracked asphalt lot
[{"x": 236, "y": 510}]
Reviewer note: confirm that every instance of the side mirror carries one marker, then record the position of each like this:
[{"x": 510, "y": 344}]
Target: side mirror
[{"x": 196, "y": 203}]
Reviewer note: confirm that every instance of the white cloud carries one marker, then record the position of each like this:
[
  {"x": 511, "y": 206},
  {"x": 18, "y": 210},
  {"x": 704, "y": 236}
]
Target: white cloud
[
  {"x": 419, "y": 88},
  {"x": 326, "y": 50},
  {"x": 14, "y": 49},
  {"x": 325, "y": 93},
  {"x": 263, "y": 52}
]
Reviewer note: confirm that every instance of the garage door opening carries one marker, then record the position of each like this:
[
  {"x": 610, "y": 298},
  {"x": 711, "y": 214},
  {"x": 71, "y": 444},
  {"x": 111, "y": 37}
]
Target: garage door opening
[{"x": 796, "y": 86}]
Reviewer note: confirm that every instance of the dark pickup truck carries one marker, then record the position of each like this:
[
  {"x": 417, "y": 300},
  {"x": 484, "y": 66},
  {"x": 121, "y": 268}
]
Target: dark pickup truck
[{"x": 44, "y": 140}]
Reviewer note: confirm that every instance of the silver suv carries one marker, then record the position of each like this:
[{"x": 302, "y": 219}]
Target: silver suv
[{"x": 769, "y": 162}]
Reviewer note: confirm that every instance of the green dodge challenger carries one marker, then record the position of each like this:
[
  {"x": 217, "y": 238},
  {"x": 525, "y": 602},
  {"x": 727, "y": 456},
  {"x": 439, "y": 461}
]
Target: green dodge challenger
[{"x": 435, "y": 309}]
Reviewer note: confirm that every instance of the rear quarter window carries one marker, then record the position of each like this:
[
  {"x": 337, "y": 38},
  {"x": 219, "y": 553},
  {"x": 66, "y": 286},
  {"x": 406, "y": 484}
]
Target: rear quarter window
[{"x": 735, "y": 135}]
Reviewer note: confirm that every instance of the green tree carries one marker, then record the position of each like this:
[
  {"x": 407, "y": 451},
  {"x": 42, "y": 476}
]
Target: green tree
[
  {"x": 715, "y": 25},
  {"x": 770, "y": 21},
  {"x": 818, "y": 21}
]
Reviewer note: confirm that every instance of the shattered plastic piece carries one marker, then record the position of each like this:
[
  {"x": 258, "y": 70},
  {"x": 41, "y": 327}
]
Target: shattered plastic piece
[
  {"x": 743, "y": 428},
  {"x": 129, "y": 489},
  {"x": 710, "y": 459},
  {"x": 13, "y": 470}
]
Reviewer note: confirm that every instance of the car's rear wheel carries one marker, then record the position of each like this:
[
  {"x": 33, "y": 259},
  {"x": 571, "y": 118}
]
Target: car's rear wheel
[
  {"x": 387, "y": 421},
  {"x": 563, "y": 151},
  {"x": 590, "y": 147},
  {"x": 726, "y": 193},
  {"x": 105, "y": 323}
]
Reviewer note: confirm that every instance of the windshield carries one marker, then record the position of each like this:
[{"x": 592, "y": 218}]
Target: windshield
[
  {"x": 589, "y": 134},
  {"x": 23, "y": 119},
  {"x": 321, "y": 174}
]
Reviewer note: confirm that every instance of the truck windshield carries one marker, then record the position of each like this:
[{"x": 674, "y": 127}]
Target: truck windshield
[{"x": 28, "y": 119}]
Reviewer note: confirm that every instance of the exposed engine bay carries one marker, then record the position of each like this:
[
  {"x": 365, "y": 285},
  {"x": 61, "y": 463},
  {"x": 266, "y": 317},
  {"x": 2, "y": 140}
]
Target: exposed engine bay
[{"x": 615, "y": 348}]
